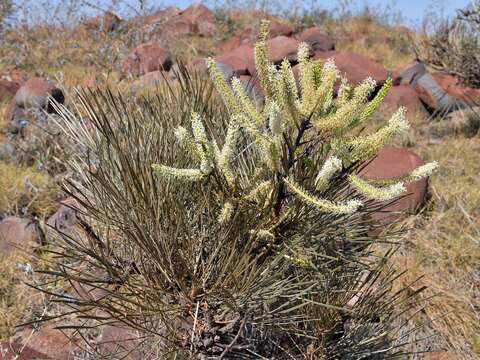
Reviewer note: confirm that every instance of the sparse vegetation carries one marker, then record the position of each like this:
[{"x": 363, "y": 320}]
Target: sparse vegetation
[{"x": 453, "y": 45}]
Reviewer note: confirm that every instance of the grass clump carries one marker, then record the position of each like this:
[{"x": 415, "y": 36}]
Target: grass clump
[{"x": 25, "y": 190}]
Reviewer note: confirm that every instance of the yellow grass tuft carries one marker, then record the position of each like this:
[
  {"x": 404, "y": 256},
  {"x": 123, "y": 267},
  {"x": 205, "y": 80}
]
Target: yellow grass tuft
[{"x": 24, "y": 189}]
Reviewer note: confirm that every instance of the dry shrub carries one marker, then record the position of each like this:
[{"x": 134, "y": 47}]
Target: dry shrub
[{"x": 453, "y": 45}]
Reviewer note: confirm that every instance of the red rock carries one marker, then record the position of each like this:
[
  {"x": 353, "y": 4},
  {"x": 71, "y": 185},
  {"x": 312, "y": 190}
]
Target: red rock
[
  {"x": 35, "y": 93},
  {"x": 12, "y": 73},
  {"x": 196, "y": 19},
  {"x": 146, "y": 58},
  {"x": 47, "y": 340},
  {"x": 240, "y": 59},
  {"x": 317, "y": 39},
  {"x": 157, "y": 16},
  {"x": 229, "y": 44},
  {"x": 404, "y": 95},
  {"x": 16, "y": 351},
  {"x": 119, "y": 341},
  {"x": 149, "y": 80},
  {"x": 107, "y": 23},
  {"x": 8, "y": 89},
  {"x": 280, "y": 28},
  {"x": 17, "y": 233},
  {"x": 393, "y": 162},
  {"x": 452, "y": 85},
  {"x": 356, "y": 67}
]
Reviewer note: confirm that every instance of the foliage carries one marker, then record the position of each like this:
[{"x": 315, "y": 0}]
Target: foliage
[
  {"x": 251, "y": 237},
  {"x": 454, "y": 45}
]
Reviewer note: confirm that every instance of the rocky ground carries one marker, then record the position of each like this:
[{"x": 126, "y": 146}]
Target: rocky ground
[{"x": 133, "y": 54}]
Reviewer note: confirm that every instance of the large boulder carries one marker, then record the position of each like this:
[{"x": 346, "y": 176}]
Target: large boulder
[
  {"x": 356, "y": 67},
  {"x": 404, "y": 95},
  {"x": 317, "y": 39},
  {"x": 36, "y": 93},
  {"x": 17, "y": 233},
  {"x": 8, "y": 89},
  {"x": 392, "y": 162},
  {"x": 146, "y": 58}
]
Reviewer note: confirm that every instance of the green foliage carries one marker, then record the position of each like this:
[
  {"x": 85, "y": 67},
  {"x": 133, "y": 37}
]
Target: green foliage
[{"x": 225, "y": 230}]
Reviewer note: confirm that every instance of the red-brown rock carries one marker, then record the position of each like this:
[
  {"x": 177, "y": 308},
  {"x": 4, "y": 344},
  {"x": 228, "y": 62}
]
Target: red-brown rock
[
  {"x": 35, "y": 94},
  {"x": 229, "y": 44},
  {"x": 17, "y": 233},
  {"x": 157, "y": 16},
  {"x": 16, "y": 351},
  {"x": 147, "y": 81},
  {"x": 452, "y": 85},
  {"x": 12, "y": 73},
  {"x": 146, "y": 58},
  {"x": 393, "y": 162},
  {"x": 317, "y": 39},
  {"x": 240, "y": 59},
  {"x": 119, "y": 341},
  {"x": 8, "y": 89},
  {"x": 196, "y": 19},
  {"x": 404, "y": 95},
  {"x": 280, "y": 28},
  {"x": 356, "y": 67},
  {"x": 107, "y": 23},
  {"x": 47, "y": 340}
]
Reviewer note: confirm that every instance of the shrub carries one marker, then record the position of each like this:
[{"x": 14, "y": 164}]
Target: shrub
[
  {"x": 251, "y": 236},
  {"x": 454, "y": 45}
]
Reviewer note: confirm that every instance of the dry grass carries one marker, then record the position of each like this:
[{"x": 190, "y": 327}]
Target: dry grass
[
  {"x": 16, "y": 299},
  {"x": 443, "y": 245},
  {"x": 26, "y": 190},
  {"x": 373, "y": 39}
]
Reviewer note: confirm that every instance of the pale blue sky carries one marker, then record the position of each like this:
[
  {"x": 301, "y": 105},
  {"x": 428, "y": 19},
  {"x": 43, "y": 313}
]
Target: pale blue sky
[{"x": 412, "y": 11}]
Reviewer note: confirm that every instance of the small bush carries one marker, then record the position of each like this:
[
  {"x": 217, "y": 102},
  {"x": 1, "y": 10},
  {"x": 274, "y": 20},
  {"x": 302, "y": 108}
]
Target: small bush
[{"x": 222, "y": 229}]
